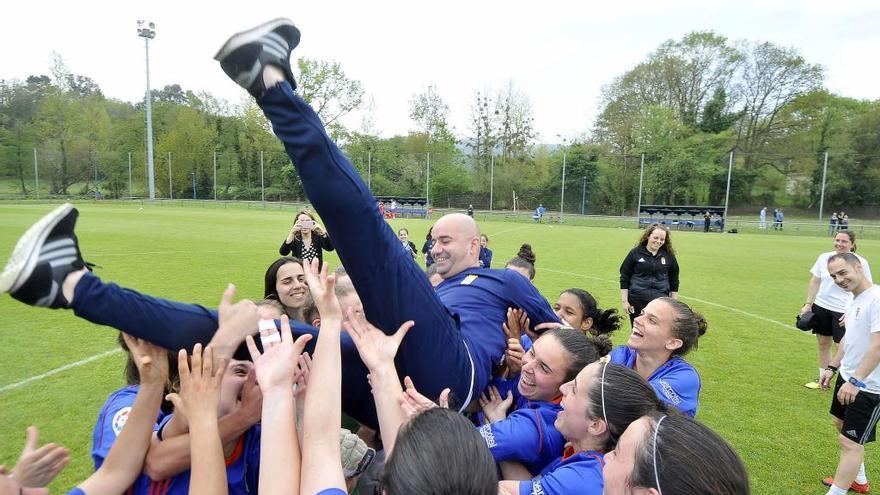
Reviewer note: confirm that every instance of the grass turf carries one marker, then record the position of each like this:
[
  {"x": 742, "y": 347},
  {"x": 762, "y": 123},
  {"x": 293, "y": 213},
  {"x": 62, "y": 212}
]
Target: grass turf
[{"x": 752, "y": 361}]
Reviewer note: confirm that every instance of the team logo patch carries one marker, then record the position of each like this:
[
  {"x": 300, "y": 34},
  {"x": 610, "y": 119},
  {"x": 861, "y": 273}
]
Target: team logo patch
[
  {"x": 641, "y": 260},
  {"x": 468, "y": 280},
  {"x": 119, "y": 419},
  {"x": 670, "y": 393},
  {"x": 486, "y": 432},
  {"x": 663, "y": 260}
]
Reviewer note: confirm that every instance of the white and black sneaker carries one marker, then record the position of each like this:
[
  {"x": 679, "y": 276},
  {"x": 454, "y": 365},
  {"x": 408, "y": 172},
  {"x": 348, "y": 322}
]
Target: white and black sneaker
[
  {"x": 244, "y": 56},
  {"x": 42, "y": 258}
]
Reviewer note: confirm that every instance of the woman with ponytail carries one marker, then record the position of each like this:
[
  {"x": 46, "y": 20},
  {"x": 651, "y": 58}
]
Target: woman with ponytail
[{"x": 665, "y": 331}]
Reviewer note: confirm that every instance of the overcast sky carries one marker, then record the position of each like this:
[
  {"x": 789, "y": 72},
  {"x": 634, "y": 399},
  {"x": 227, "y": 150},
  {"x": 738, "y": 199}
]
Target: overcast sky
[{"x": 559, "y": 53}]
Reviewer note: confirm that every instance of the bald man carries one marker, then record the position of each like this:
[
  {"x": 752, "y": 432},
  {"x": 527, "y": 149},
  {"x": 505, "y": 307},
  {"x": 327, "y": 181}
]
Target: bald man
[{"x": 457, "y": 339}]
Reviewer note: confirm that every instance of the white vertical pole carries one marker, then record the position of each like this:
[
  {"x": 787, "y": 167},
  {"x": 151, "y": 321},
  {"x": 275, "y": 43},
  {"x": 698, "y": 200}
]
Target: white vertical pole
[
  {"x": 149, "y": 97},
  {"x": 36, "y": 175},
  {"x": 370, "y": 170},
  {"x": 562, "y": 197},
  {"x": 822, "y": 197},
  {"x": 492, "y": 183},
  {"x": 130, "y": 195},
  {"x": 641, "y": 179},
  {"x": 727, "y": 193},
  {"x": 262, "y": 183},
  {"x": 428, "y": 181},
  {"x": 170, "y": 185},
  {"x": 215, "y": 176}
]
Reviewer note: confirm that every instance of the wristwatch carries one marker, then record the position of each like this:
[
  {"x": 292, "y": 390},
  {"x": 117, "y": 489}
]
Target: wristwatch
[{"x": 858, "y": 383}]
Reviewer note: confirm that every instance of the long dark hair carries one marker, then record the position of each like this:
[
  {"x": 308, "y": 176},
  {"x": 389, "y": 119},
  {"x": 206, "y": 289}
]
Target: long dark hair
[
  {"x": 851, "y": 235},
  {"x": 604, "y": 322},
  {"x": 688, "y": 457},
  {"x": 271, "y": 277},
  {"x": 439, "y": 452},
  {"x": 620, "y": 396}
]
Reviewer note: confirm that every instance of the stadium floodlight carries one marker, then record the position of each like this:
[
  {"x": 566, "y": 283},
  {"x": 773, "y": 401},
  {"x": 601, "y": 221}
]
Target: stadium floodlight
[{"x": 147, "y": 31}]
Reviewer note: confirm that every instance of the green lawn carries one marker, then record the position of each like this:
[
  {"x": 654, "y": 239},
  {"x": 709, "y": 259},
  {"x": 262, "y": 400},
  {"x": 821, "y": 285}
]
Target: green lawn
[{"x": 752, "y": 361}]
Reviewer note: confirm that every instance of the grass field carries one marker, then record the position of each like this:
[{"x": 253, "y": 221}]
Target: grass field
[{"x": 752, "y": 361}]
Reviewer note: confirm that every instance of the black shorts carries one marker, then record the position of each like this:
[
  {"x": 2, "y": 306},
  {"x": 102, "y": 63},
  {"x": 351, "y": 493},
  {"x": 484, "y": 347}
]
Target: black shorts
[
  {"x": 860, "y": 417},
  {"x": 827, "y": 323}
]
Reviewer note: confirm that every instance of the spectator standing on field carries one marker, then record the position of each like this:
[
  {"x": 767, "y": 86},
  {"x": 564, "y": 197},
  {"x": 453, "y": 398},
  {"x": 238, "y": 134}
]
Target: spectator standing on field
[
  {"x": 828, "y": 301},
  {"x": 832, "y": 224},
  {"x": 762, "y": 218},
  {"x": 856, "y": 400},
  {"x": 707, "y": 221}
]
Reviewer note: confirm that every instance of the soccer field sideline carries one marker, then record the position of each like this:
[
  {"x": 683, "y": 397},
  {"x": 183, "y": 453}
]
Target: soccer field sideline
[{"x": 753, "y": 363}]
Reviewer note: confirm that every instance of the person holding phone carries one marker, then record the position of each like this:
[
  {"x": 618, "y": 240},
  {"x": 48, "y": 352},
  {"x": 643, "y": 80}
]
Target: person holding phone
[{"x": 307, "y": 240}]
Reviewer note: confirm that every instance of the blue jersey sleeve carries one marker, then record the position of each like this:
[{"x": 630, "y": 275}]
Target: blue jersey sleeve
[
  {"x": 565, "y": 480},
  {"x": 517, "y": 438},
  {"x": 76, "y": 491},
  {"x": 331, "y": 491},
  {"x": 522, "y": 294},
  {"x": 679, "y": 387},
  {"x": 111, "y": 419}
]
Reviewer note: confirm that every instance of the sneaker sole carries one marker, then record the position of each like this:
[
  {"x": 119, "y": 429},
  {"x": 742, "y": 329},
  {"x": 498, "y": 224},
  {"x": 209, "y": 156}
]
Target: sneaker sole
[
  {"x": 26, "y": 253},
  {"x": 251, "y": 35}
]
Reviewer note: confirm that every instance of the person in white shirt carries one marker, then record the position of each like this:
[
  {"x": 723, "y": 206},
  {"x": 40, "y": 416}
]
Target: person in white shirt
[
  {"x": 827, "y": 301},
  {"x": 762, "y": 218},
  {"x": 855, "y": 404}
]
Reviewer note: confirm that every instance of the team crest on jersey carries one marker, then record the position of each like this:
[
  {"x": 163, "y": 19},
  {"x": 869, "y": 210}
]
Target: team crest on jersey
[
  {"x": 663, "y": 260},
  {"x": 641, "y": 260},
  {"x": 119, "y": 419},
  {"x": 468, "y": 280}
]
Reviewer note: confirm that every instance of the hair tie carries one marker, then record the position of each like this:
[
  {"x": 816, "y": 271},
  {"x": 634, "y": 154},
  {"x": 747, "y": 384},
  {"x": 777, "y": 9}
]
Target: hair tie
[
  {"x": 656, "y": 475},
  {"x": 604, "y": 416}
]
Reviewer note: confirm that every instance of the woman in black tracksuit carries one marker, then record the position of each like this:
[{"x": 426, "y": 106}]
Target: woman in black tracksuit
[{"x": 649, "y": 271}]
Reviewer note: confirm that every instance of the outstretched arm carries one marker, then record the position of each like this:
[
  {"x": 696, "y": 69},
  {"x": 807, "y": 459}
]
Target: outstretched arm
[
  {"x": 377, "y": 351},
  {"x": 279, "y": 449},
  {"x": 198, "y": 399},
  {"x": 322, "y": 415},
  {"x": 124, "y": 462}
]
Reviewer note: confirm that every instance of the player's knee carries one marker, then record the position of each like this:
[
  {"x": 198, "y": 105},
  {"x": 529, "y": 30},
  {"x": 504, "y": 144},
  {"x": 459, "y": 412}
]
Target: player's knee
[{"x": 848, "y": 445}]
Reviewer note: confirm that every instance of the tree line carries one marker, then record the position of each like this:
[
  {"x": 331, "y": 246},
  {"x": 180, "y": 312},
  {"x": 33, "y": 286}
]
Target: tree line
[{"x": 685, "y": 108}]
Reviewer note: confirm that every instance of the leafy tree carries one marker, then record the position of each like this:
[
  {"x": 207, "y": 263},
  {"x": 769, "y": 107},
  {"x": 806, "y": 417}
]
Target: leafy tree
[
  {"x": 326, "y": 87},
  {"x": 431, "y": 114}
]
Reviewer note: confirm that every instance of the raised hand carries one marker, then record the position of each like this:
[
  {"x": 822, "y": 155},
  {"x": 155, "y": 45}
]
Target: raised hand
[
  {"x": 513, "y": 358},
  {"x": 376, "y": 349},
  {"x": 321, "y": 287},
  {"x": 276, "y": 366},
  {"x": 151, "y": 360},
  {"x": 304, "y": 368},
  {"x": 494, "y": 407},
  {"x": 37, "y": 467},
  {"x": 413, "y": 402},
  {"x": 199, "y": 385},
  {"x": 236, "y": 321}
]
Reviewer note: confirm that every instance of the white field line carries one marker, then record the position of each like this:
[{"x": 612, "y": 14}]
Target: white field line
[
  {"x": 26, "y": 381},
  {"x": 702, "y": 301},
  {"x": 509, "y": 230}
]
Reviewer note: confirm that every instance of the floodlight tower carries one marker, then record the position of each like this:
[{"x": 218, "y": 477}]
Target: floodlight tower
[{"x": 147, "y": 31}]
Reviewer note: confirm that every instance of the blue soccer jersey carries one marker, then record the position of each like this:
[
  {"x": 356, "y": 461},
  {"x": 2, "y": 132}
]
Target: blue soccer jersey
[
  {"x": 574, "y": 472},
  {"x": 242, "y": 471},
  {"x": 527, "y": 435},
  {"x": 478, "y": 298},
  {"x": 676, "y": 382},
  {"x": 111, "y": 419},
  {"x": 242, "y": 465}
]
